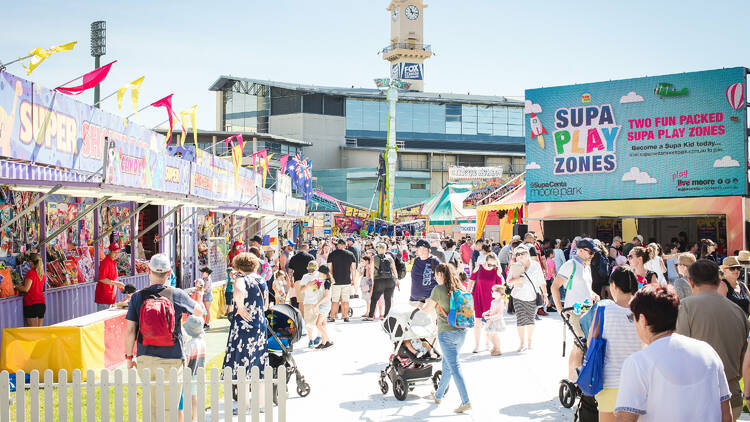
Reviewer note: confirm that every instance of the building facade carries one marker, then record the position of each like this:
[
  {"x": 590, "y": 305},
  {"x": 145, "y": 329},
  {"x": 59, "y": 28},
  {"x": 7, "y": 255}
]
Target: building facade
[{"x": 347, "y": 127}]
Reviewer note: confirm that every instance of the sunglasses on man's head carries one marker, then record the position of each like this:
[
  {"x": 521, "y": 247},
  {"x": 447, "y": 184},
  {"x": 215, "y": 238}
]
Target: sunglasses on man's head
[
  {"x": 521, "y": 253},
  {"x": 631, "y": 317}
]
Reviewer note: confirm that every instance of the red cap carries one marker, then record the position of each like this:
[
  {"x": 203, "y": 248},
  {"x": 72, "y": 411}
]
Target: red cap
[
  {"x": 238, "y": 243},
  {"x": 113, "y": 247}
]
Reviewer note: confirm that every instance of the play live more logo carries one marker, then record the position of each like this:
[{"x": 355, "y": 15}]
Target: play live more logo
[{"x": 585, "y": 140}]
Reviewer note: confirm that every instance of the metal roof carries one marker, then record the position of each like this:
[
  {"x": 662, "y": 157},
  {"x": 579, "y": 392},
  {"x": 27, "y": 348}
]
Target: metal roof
[
  {"x": 436, "y": 97},
  {"x": 246, "y": 135}
]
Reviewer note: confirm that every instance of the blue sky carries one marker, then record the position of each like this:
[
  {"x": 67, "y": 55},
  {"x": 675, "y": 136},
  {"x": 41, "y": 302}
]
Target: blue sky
[{"x": 483, "y": 47}]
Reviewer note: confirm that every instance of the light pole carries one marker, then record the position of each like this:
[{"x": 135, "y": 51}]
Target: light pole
[
  {"x": 392, "y": 87},
  {"x": 98, "y": 49}
]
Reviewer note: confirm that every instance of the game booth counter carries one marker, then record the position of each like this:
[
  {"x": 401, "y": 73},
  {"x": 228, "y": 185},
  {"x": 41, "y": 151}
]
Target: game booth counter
[
  {"x": 496, "y": 220},
  {"x": 446, "y": 212},
  {"x": 71, "y": 187},
  {"x": 654, "y": 156}
]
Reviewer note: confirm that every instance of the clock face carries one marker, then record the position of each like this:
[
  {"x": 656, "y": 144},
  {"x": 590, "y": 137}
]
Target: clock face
[
  {"x": 394, "y": 13},
  {"x": 411, "y": 12}
]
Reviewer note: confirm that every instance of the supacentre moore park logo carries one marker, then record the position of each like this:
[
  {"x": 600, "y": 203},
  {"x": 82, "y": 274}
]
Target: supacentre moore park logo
[{"x": 585, "y": 138}]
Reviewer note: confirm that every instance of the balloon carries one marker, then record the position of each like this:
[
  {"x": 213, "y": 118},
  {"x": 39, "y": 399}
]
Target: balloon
[{"x": 736, "y": 95}]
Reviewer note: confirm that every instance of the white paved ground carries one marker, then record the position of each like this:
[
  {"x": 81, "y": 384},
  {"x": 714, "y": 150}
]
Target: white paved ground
[{"x": 511, "y": 387}]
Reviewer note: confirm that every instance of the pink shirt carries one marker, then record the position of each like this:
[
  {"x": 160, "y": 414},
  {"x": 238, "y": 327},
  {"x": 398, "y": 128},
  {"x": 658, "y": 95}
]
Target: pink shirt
[
  {"x": 496, "y": 310},
  {"x": 466, "y": 251},
  {"x": 551, "y": 268}
]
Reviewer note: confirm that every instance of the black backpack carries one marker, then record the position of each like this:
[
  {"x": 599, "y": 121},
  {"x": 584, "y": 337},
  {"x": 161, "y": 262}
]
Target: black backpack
[
  {"x": 588, "y": 410},
  {"x": 383, "y": 268},
  {"x": 400, "y": 266}
]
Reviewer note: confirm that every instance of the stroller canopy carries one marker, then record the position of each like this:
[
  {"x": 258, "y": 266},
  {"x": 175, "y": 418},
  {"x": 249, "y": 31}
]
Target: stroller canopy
[
  {"x": 407, "y": 323},
  {"x": 286, "y": 321}
]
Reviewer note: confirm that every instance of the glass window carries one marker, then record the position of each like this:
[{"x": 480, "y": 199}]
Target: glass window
[
  {"x": 453, "y": 128},
  {"x": 484, "y": 120},
  {"x": 499, "y": 129},
  {"x": 452, "y": 112},
  {"x": 312, "y": 103},
  {"x": 515, "y": 130},
  {"x": 353, "y": 114},
  {"x": 437, "y": 118},
  {"x": 515, "y": 116},
  {"x": 383, "y": 107},
  {"x": 370, "y": 115},
  {"x": 469, "y": 119},
  {"x": 418, "y": 185},
  {"x": 404, "y": 115},
  {"x": 285, "y": 149},
  {"x": 499, "y": 114},
  {"x": 420, "y": 118}
]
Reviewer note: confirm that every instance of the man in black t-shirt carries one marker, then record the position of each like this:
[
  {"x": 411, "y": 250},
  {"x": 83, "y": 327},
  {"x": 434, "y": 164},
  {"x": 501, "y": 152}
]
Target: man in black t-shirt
[
  {"x": 298, "y": 268},
  {"x": 343, "y": 267}
]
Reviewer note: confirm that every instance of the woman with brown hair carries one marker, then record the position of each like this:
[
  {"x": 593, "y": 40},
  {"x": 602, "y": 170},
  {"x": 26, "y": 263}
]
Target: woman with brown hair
[
  {"x": 246, "y": 344},
  {"x": 708, "y": 250},
  {"x": 638, "y": 257},
  {"x": 451, "y": 338},
  {"x": 34, "y": 306}
]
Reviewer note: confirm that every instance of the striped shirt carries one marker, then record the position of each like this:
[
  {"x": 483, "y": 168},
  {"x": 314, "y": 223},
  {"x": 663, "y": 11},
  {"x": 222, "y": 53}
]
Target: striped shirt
[{"x": 622, "y": 341}]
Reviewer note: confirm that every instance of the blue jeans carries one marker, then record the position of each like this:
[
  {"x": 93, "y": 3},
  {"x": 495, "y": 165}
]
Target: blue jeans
[{"x": 450, "y": 344}]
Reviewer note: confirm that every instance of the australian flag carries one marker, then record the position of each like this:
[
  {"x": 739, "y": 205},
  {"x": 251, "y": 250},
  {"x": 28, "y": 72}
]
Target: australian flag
[{"x": 299, "y": 171}]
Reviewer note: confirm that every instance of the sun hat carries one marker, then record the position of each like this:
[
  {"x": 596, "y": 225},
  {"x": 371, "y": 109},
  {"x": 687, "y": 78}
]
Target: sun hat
[
  {"x": 743, "y": 257},
  {"x": 193, "y": 326},
  {"x": 730, "y": 262}
]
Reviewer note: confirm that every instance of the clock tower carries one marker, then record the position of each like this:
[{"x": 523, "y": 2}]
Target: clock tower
[{"x": 407, "y": 51}]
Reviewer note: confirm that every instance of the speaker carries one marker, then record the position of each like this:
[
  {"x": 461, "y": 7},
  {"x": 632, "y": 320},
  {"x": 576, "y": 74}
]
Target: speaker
[{"x": 520, "y": 229}]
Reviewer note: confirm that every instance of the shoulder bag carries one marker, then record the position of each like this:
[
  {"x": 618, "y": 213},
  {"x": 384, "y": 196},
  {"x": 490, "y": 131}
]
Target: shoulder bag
[
  {"x": 591, "y": 378},
  {"x": 539, "y": 300}
]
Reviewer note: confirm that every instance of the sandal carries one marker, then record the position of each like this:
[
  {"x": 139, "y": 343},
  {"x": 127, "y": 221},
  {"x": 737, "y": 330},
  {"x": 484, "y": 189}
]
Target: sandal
[{"x": 366, "y": 319}]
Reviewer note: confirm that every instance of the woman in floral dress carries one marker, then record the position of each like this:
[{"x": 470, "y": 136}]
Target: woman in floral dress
[{"x": 246, "y": 345}]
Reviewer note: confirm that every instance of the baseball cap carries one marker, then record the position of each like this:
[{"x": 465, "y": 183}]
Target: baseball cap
[
  {"x": 520, "y": 249},
  {"x": 341, "y": 242},
  {"x": 586, "y": 244},
  {"x": 324, "y": 269},
  {"x": 289, "y": 243},
  {"x": 421, "y": 243},
  {"x": 193, "y": 326},
  {"x": 114, "y": 247},
  {"x": 514, "y": 238},
  {"x": 312, "y": 265},
  {"x": 238, "y": 243},
  {"x": 639, "y": 237},
  {"x": 257, "y": 239},
  {"x": 159, "y": 263},
  {"x": 350, "y": 239}
]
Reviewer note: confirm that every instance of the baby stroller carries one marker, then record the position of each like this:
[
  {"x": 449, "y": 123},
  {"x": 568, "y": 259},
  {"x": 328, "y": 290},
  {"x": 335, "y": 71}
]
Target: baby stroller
[
  {"x": 285, "y": 329},
  {"x": 405, "y": 367},
  {"x": 569, "y": 391}
]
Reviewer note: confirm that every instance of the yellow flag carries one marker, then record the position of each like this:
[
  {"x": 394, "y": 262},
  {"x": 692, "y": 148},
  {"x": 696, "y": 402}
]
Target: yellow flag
[
  {"x": 183, "y": 115},
  {"x": 135, "y": 85},
  {"x": 38, "y": 55}
]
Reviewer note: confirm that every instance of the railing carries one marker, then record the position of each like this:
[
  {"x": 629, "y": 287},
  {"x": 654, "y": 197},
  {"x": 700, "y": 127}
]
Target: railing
[
  {"x": 406, "y": 46},
  {"x": 115, "y": 398},
  {"x": 412, "y": 165}
]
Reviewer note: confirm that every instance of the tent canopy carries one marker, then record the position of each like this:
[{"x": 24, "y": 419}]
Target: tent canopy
[
  {"x": 447, "y": 206},
  {"x": 486, "y": 213}
]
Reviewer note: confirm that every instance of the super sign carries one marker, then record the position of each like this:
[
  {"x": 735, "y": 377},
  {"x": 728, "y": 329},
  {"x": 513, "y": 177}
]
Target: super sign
[{"x": 585, "y": 139}]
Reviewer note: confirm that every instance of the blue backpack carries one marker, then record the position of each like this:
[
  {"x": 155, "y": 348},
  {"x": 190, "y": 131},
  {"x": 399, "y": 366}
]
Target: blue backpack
[{"x": 461, "y": 312}]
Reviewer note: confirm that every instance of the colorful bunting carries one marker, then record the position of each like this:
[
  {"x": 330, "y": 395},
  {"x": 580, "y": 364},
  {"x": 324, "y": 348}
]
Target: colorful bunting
[
  {"x": 90, "y": 80},
  {"x": 166, "y": 102},
  {"x": 134, "y": 87},
  {"x": 183, "y": 115},
  {"x": 38, "y": 55},
  {"x": 236, "y": 151}
]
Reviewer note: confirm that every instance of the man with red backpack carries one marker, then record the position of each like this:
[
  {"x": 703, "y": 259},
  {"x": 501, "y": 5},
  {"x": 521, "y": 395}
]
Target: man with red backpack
[{"x": 153, "y": 320}]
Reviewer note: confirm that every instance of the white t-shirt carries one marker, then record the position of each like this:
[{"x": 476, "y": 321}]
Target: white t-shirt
[
  {"x": 312, "y": 293},
  {"x": 622, "y": 341},
  {"x": 527, "y": 292},
  {"x": 580, "y": 291},
  {"x": 675, "y": 378},
  {"x": 655, "y": 266}
]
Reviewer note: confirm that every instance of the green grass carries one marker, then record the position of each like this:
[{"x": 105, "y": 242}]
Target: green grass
[{"x": 216, "y": 362}]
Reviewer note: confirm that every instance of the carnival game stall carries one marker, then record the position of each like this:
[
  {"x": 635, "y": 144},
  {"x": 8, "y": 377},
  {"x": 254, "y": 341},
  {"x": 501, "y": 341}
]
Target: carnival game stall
[
  {"x": 445, "y": 210},
  {"x": 496, "y": 220}
]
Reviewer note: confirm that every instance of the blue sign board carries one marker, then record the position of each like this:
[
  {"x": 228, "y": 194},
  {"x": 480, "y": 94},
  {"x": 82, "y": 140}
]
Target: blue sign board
[
  {"x": 412, "y": 71},
  {"x": 678, "y": 135}
]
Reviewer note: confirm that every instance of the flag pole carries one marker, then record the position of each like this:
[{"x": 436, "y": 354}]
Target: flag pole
[
  {"x": 108, "y": 96},
  {"x": 4, "y": 65},
  {"x": 140, "y": 110}
]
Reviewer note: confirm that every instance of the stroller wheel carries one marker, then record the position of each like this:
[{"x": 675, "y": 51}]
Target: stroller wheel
[
  {"x": 382, "y": 383},
  {"x": 383, "y": 386},
  {"x": 303, "y": 389},
  {"x": 567, "y": 393},
  {"x": 351, "y": 312},
  {"x": 400, "y": 389}
]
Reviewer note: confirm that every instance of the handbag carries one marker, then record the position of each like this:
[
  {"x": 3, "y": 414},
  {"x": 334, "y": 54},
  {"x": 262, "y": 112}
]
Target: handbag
[
  {"x": 591, "y": 377},
  {"x": 539, "y": 300}
]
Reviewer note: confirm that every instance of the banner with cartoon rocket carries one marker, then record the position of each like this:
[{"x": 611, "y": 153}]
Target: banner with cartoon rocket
[{"x": 681, "y": 135}]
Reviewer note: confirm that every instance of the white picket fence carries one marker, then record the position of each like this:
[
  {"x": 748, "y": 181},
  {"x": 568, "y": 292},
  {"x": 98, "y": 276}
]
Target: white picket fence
[{"x": 110, "y": 386}]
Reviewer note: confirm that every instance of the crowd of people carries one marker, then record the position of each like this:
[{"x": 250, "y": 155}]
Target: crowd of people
[{"x": 684, "y": 312}]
